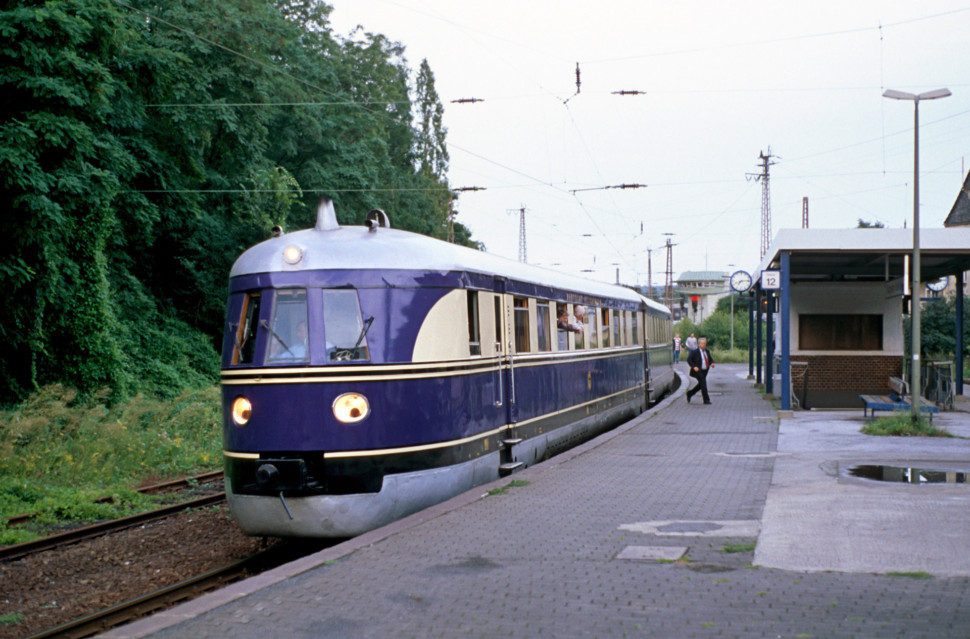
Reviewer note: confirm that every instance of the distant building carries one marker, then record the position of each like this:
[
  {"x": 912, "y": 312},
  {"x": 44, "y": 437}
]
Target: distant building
[
  {"x": 959, "y": 217},
  {"x": 960, "y": 213},
  {"x": 702, "y": 290}
]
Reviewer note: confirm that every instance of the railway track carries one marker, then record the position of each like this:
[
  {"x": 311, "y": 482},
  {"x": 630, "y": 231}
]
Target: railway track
[
  {"x": 114, "y": 525},
  {"x": 186, "y": 590}
]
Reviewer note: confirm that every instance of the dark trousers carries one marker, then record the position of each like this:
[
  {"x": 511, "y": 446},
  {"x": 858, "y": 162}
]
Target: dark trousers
[{"x": 701, "y": 377}]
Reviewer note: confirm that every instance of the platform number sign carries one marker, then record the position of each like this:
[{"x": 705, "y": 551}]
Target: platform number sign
[{"x": 770, "y": 280}]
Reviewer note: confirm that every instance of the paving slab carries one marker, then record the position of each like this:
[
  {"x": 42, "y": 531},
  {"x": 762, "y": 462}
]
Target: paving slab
[{"x": 704, "y": 484}]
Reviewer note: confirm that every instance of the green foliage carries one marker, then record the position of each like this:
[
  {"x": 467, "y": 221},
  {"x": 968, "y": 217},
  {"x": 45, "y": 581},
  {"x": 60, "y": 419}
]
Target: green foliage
[
  {"x": 515, "y": 483},
  {"x": 10, "y": 618},
  {"x": 53, "y": 443},
  {"x": 739, "y": 547},
  {"x": 151, "y": 143},
  {"x": 938, "y": 327},
  {"x": 902, "y": 424}
]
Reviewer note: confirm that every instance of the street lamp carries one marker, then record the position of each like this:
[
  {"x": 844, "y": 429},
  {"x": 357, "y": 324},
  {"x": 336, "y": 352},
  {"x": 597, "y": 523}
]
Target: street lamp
[
  {"x": 915, "y": 287},
  {"x": 731, "y": 293}
]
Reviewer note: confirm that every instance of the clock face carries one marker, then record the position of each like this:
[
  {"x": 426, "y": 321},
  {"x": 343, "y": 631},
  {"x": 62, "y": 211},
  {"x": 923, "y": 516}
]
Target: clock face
[
  {"x": 740, "y": 281},
  {"x": 938, "y": 285}
]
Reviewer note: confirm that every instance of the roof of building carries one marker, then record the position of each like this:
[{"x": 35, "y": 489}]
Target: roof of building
[
  {"x": 960, "y": 213},
  {"x": 702, "y": 276},
  {"x": 867, "y": 254}
]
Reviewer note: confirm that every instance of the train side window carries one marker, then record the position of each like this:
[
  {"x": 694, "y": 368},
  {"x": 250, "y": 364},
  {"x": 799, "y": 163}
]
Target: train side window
[
  {"x": 579, "y": 343},
  {"x": 244, "y": 333},
  {"x": 616, "y": 328},
  {"x": 498, "y": 324},
  {"x": 344, "y": 328},
  {"x": 591, "y": 334},
  {"x": 543, "y": 337},
  {"x": 520, "y": 319},
  {"x": 474, "y": 330},
  {"x": 605, "y": 331},
  {"x": 287, "y": 340},
  {"x": 634, "y": 325}
]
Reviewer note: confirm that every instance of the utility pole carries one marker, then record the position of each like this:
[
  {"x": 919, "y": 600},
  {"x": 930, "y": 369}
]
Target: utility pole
[
  {"x": 763, "y": 177},
  {"x": 521, "y": 212},
  {"x": 669, "y": 283},
  {"x": 649, "y": 273},
  {"x": 805, "y": 212}
]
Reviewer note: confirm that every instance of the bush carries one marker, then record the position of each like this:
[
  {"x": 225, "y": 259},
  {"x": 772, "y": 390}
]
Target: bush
[{"x": 58, "y": 454}]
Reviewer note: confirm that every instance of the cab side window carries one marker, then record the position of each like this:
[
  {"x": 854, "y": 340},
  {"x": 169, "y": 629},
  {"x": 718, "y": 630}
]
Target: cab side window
[{"x": 244, "y": 333}]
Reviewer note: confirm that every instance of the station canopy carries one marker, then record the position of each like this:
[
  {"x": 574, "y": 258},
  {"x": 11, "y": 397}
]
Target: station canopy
[{"x": 867, "y": 254}]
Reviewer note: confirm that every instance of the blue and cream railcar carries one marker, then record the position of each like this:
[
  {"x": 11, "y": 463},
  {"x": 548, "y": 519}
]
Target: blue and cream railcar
[{"x": 369, "y": 373}]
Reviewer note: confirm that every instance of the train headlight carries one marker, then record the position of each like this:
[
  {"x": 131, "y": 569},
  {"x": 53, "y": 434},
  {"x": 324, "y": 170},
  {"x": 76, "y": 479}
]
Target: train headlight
[
  {"x": 292, "y": 254},
  {"x": 242, "y": 410},
  {"x": 351, "y": 408}
]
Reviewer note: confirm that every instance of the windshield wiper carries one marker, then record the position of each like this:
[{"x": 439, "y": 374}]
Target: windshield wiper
[
  {"x": 279, "y": 339},
  {"x": 363, "y": 331}
]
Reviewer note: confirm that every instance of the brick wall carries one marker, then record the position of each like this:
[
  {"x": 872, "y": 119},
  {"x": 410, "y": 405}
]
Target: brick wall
[{"x": 849, "y": 372}]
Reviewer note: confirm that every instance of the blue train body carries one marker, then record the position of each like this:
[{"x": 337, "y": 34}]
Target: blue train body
[{"x": 369, "y": 373}]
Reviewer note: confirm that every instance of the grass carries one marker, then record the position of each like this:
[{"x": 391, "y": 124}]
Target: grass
[
  {"x": 918, "y": 574},
  {"x": 501, "y": 490},
  {"x": 728, "y": 356},
  {"x": 901, "y": 424},
  {"x": 58, "y": 455},
  {"x": 10, "y": 619},
  {"x": 735, "y": 548}
]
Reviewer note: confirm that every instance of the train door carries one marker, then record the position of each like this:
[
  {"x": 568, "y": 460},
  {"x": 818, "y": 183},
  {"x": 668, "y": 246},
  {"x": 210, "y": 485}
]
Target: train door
[
  {"x": 645, "y": 352},
  {"x": 505, "y": 348}
]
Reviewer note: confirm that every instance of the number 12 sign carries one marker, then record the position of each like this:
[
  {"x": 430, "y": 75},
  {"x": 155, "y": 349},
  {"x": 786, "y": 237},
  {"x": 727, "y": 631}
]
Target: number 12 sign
[{"x": 770, "y": 280}]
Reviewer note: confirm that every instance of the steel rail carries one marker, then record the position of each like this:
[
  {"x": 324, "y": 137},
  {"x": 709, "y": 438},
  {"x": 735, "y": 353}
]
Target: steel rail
[
  {"x": 15, "y": 520},
  {"x": 144, "y": 605},
  {"x": 103, "y": 528}
]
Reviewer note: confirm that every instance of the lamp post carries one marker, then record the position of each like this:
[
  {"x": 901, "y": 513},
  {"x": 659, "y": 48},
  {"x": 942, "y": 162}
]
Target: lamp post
[
  {"x": 731, "y": 293},
  {"x": 915, "y": 287}
]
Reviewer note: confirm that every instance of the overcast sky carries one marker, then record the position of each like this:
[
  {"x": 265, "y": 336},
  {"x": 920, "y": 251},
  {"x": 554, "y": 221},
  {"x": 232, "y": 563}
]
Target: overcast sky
[{"x": 724, "y": 81}]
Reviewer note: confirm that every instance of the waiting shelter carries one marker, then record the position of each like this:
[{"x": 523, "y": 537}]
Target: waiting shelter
[{"x": 840, "y": 296}]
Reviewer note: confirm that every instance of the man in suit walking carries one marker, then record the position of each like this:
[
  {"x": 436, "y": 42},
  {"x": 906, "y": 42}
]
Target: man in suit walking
[{"x": 700, "y": 362}]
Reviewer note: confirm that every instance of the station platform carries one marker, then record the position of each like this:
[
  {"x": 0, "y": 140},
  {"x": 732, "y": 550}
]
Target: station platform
[{"x": 688, "y": 521}]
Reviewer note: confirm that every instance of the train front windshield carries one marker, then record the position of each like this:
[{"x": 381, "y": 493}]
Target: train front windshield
[
  {"x": 346, "y": 331},
  {"x": 288, "y": 336}
]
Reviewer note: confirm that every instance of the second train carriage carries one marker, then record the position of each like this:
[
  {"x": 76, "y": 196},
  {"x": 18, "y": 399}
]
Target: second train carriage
[{"x": 369, "y": 373}]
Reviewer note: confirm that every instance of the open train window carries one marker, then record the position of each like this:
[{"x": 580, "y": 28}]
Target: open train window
[
  {"x": 244, "y": 333},
  {"x": 592, "y": 335},
  {"x": 580, "y": 315},
  {"x": 343, "y": 327},
  {"x": 520, "y": 319},
  {"x": 287, "y": 339},
  {"x": 542, "y": 326},
  {"x": 474, "y": 332}
]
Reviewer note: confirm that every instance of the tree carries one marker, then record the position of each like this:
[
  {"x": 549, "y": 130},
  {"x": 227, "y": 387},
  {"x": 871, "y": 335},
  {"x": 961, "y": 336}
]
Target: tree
[
  {"x": 863, "y": 224},
  {"x": 151, "y": 143},
  {"x": 430, "y": 145}
]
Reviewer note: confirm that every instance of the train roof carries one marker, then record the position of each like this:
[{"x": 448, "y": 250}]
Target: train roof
[{"x": 330, "y": 246}]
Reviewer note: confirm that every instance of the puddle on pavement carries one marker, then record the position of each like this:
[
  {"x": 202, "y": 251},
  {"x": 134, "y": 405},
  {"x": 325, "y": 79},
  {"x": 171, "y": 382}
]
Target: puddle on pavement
[{"x": 909, "y": 474}]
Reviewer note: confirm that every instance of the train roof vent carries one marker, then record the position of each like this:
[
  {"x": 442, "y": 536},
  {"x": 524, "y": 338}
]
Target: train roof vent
[
  {"x": 326, "y": 215},
  {"x": 377, "y": 218}
]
